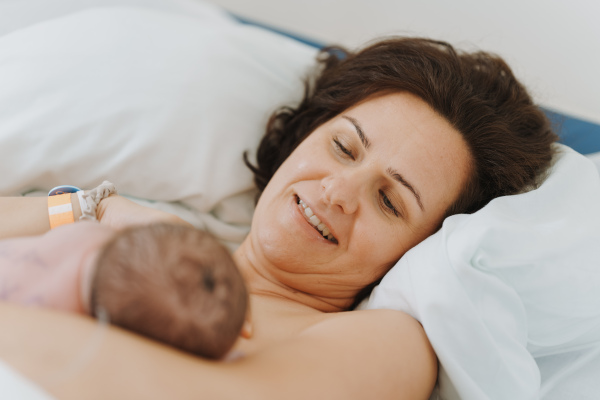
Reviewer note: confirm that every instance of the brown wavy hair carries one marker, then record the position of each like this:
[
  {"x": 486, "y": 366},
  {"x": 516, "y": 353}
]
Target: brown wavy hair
[{"x": 509, "y": 137}]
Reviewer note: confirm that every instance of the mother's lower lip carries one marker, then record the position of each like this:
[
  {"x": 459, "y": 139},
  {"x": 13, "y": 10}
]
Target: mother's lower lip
[{"x": 302, "y": 221}]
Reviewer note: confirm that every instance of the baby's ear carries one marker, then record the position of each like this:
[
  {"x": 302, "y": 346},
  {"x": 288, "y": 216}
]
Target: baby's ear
[{"x": 247, "y": 331}]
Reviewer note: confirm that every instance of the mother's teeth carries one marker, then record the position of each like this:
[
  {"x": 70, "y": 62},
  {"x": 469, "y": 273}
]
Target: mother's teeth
[
  {"x": 310, "y": 214},
  {"x": 314, "y": 220}
]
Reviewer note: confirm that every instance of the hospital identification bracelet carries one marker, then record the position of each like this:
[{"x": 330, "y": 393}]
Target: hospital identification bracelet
[{"x": 60, "y": 210}]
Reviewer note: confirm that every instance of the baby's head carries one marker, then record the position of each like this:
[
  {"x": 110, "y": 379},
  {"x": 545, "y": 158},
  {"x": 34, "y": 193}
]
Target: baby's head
[{"x": 174, "y": 284}]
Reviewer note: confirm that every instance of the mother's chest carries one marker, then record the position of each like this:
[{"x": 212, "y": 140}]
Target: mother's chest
[{"x": 273, "y": 323}]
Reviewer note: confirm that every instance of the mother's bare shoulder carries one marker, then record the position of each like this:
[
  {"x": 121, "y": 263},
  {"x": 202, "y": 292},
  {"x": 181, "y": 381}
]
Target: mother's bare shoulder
[{"x": 364, "y": 354}]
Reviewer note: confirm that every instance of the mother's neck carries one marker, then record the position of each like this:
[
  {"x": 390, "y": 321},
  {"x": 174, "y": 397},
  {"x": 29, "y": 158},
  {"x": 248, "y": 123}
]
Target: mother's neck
[{"x": 260, "y": 282}]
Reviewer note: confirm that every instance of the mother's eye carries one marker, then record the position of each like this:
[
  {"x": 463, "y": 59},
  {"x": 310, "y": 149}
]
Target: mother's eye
[
  {"x": 386, "y": 203},
  {"x": 343, "y": 150}
]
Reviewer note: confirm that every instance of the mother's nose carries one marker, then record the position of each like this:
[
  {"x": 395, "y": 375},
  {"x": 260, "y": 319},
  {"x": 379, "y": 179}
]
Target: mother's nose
[{"x": 343, "y": 191}]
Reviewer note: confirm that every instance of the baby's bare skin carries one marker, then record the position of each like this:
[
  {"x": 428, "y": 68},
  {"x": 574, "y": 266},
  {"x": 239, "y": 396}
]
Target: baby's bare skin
[{"x": 47, "y": 270}]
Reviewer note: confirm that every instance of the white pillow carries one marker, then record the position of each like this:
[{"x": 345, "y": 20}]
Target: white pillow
[
  {"x": 18, "y": 14},
  {"x": 161, "y": 104},
  {"x": 518, "y": 280}
]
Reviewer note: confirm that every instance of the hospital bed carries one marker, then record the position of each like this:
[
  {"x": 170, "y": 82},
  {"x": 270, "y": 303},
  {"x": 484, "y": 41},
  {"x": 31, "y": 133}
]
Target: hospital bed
[{"x": 162, "y": 97}]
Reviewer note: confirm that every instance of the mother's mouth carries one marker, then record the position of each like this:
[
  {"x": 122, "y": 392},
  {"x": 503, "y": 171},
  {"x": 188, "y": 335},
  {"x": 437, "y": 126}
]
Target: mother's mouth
[{"x": 316, "y": 222}]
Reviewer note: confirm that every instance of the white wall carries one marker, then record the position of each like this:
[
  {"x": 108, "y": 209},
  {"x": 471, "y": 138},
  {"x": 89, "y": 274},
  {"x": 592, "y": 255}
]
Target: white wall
[{"x": 552, "y": 45}]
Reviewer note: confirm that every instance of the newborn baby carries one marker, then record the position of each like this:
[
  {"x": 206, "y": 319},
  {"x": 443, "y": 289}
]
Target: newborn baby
[{"x": 169, "y": 282}]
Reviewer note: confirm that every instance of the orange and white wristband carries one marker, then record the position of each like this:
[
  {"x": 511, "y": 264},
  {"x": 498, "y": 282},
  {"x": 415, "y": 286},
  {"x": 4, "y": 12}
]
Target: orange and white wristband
[{"x": 60, "y": 209}]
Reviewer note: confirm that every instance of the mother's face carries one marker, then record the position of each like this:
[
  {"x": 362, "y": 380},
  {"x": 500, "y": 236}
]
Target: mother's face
[{"x": 375, "y": 180}]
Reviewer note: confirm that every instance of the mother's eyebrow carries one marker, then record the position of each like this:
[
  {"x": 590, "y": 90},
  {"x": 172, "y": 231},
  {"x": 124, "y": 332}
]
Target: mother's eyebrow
[
  {"x": 361, "y": 134},
  {"x": 393, "y": 173},
  {"x": 398, "y": 177}
]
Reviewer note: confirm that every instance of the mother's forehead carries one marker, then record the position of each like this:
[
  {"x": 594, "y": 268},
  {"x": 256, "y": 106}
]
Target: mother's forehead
[{"x": 416, "y": 141}]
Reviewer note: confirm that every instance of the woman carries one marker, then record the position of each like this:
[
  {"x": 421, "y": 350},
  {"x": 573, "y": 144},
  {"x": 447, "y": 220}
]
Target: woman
[{"x": 386, "y": 143}]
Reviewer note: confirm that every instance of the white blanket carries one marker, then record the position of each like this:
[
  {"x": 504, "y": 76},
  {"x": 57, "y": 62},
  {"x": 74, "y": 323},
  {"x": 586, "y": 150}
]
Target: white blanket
[
  {"x": 15, "y": 387},
  {"x": 516, "y": 281}
]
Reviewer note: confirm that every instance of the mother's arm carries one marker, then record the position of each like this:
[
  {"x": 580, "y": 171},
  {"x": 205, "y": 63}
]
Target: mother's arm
[
  {"x": 379, "y": 354},
  {"x": 26, "y": 216}
]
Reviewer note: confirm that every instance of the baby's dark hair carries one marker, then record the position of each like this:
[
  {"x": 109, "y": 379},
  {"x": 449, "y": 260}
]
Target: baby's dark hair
[{"x": 172, "y": 283}]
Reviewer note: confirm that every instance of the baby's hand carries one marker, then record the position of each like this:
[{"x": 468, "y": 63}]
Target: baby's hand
[{"x": 119, "y": 212}]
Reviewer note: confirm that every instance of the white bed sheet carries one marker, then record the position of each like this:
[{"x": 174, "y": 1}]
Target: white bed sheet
[
  {"x": 570, "y": 376},
  {"x": 13, "y": 386}
]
